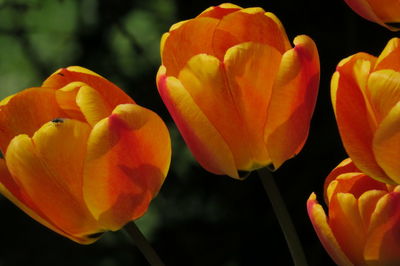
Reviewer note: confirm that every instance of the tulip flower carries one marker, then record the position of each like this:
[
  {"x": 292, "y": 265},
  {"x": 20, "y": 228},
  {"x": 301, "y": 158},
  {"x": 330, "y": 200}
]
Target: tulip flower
[
  {"x": 80, "y": 156},
  {"x": 366, "y": 99},
  {"x": 383, "y": 12},
  {"x": 240, "y": 94},
  {"x": 362, "y": 227}
]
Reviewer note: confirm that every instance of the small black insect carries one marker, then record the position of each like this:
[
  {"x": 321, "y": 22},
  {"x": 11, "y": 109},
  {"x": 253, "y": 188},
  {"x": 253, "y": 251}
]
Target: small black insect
[{"x": 57, "y": 120}]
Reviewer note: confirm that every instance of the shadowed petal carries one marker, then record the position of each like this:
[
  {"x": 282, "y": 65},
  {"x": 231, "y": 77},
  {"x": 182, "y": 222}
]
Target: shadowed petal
[{"x": 127, "y": 161}]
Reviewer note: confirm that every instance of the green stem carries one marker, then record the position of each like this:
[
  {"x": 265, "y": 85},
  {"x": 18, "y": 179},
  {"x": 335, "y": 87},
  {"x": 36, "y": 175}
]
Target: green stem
[
  {"x": 283, "y": 217},
  {"x": 140, "y": 241}
]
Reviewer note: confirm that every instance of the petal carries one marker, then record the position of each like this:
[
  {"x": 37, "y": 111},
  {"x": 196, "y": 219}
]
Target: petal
[
  {"x": 353, "y": 116},
  {"x": 210, "y": 35},
  {"x": 82, "y": 102},
  {"x": 191, "y": 38},
  {"x": 26, "y": 112},
  {"x": 346, "y": 166},
  {"x": 18, "y": 196},
  {"x": 251, "y": 70},
  {"x": 345, "y": 221},
  {"x": 384, "y": 91},
  {"x": 383, "y": 244},
  {"x": 248, "y": 25},
  {"x": 204, "y": 78},
  {"x": 66, "y": 99},
  {"x": 111, "y": 94},
  {"x": 386, "y": 144},
  {"x": 286, "y": 43},
  {"x": 220, "y": 11},
  {"x": 48, "y": 167},
  {"x": 390, "y": 56},
  {"x": 363, "y": 8},
  {"x": 367, "y": 204},
  {"x": 92, "y": 105},
  {"x": 205, "y": 142},
  {"x": 127, "y": 161},
  {"x": 293, "y": 100},
  {"x": 356, "y": 184},
  {"x": 324, "y": 232},
  {"x": 387, "y": 11}
]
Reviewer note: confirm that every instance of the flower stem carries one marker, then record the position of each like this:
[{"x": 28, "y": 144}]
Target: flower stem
[
  {"x": 283, "y": 217},
  {"x": 143, "y": 245}
]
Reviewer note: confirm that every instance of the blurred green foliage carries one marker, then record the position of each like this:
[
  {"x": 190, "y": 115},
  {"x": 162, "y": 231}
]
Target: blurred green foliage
[{"x": 198, "y": 218}]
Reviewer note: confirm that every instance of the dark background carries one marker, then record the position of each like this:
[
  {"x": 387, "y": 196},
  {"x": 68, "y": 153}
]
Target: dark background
[{"x": 198, "y": 218}]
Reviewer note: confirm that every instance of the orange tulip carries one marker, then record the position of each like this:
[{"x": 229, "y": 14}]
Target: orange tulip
[
  {"x": 364, "y": 218},
  {"x": 240, "y": 94},
  {"x": 365, "y": 97},
  {"x": 80, "y": 156},
  {"x": 383, "y": 12}
]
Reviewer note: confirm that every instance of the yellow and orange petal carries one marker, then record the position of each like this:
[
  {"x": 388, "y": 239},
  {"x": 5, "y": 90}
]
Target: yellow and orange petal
[
  {"x": 209, "y": 147},
  {"x": 43, "y": 171},
  {"x": 26, "y": 112},
  {"x": 216, "y": 30},
  {"x": 247, "y": 83},
  {"x": 292, "y": 101},
  {"x": 127, "y": 161},
  {"x": 319, "y": 221},
  {"x": 383, "y": 245},
  {"x": 383, "y": 12},
  {"x": 363, "y": 220},
  {"x": 355, "y": 118},
  {"x": 48, "y": 168},
  {"x": 110, "y": 93}
]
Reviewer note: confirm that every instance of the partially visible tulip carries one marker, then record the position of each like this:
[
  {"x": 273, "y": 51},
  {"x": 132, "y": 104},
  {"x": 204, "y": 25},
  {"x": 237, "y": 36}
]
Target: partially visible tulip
[
  {"x": 362, "y": 227},
  {"x": 80, "y": 156},
  {"x": 240, "y": 94},
  {"x": 366, "y": 99},
  {"x": 383, "y": 12}
]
